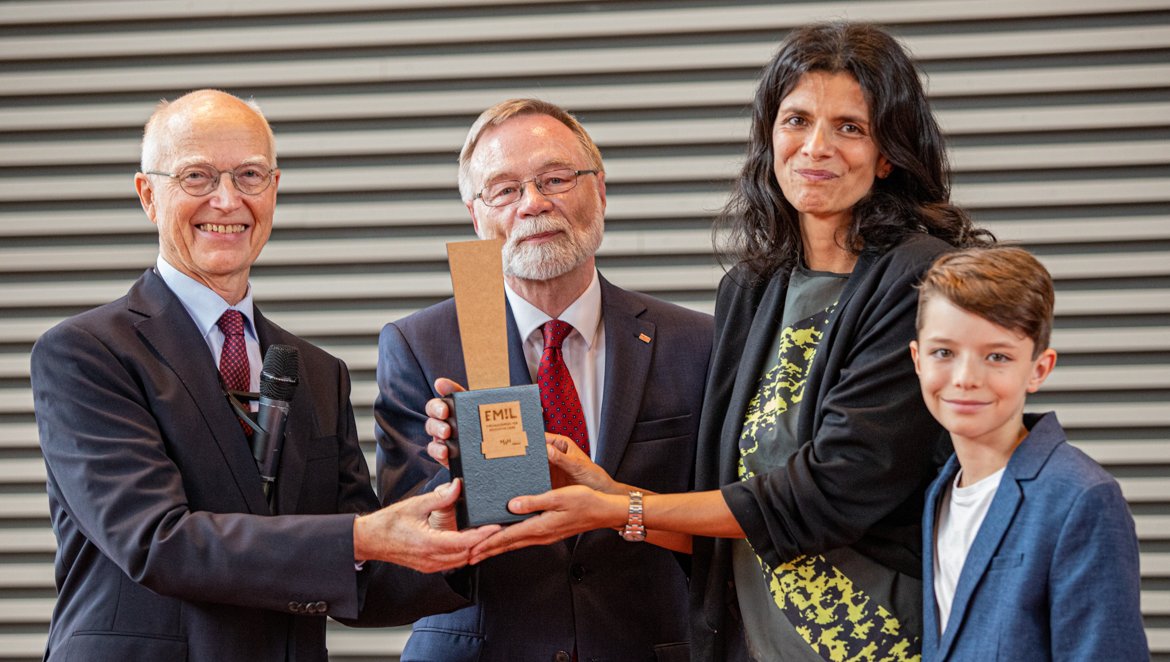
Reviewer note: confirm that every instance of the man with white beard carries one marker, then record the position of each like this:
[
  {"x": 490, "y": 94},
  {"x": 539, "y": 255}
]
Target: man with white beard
[{"x": 529, "y": 173}]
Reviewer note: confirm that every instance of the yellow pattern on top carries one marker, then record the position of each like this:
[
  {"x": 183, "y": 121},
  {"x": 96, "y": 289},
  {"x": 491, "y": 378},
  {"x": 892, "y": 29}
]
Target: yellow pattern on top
[{"x": 839, "y": 621}]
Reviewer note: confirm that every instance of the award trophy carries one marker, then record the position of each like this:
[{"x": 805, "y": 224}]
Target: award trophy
[{"x": 497, "y": 441}]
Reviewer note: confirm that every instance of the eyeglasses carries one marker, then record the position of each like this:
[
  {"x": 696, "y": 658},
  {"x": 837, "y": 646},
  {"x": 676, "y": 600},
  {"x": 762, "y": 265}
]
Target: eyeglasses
[
  {"x": 199, "y": 180},
  {"x": 503, "y": 193}
]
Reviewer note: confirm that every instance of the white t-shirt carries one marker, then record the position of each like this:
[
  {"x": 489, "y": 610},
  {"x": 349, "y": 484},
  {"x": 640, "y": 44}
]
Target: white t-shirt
[{"x": 959, "y": 518}]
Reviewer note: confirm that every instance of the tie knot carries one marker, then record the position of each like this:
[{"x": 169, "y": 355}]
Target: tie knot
[
  {"x": 231, "y": 323},
  {"x": 555, "y": 332}
]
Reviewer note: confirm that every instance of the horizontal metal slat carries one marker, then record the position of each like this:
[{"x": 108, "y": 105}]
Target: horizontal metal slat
[
  {"x": 72, "y": 150},
  {"x": 13, "y": 364},
  {"x": 396, "y": 249},
  {"x": 22, "y": 12},
  {"x": 26, "y": 610},
  {"x": 391, "y": 249},
  {"x": 558, "y": 62},
  {"x": 26, "y": 540},
  {"x": 18, "y": 436},
  {"x": 1146, "y": 490},
  {"x": 1080, "y": 230},
  {"x": 21, "y": 469},
  {"x": 25, "y": 506},
  {"x": 333, "y": 214},
  {"x": 303, "y": 288},
  {"x": 589, "y": 24},
  {"x": 1110, "y": 338},
  {"x": 619, "y": 171},
  {"x": 17, "y": 645},
  {"x": 1113, "y": 302},
  {"x": 26, "y": 575},
  {"x": 49, "y": 114},
  {"x": 1109, "y": 453}
]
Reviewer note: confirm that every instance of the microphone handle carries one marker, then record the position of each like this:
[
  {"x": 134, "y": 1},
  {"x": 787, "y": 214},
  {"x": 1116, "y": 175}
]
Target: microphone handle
[{"x": 269, "y": 438}]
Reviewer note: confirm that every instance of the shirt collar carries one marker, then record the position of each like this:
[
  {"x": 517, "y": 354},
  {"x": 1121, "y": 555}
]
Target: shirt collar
[
  {"x": 584, "y": 314},
  {"x": 203, "y": 305}
]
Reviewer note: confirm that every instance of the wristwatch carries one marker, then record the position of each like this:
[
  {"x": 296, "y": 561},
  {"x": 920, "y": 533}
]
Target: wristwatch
[{"x": 635, "y": 531}]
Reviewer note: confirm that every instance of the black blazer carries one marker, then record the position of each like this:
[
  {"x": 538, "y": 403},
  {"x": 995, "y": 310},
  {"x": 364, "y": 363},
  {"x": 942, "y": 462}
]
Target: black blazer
[
  {"x": 871, "y": 446},
  {"x": 166, "y": 548},
  {"x": 615, "y": 600}
]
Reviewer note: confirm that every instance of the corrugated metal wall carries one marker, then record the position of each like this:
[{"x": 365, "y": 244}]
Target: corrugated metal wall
[{"x": 1058, "y": 113}]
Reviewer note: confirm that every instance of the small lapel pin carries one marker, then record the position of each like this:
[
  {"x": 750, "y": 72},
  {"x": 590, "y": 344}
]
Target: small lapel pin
[{"x": 643, "y": 337}]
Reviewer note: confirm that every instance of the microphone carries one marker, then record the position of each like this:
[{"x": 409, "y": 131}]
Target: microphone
[{"x": 278, "y": 382}]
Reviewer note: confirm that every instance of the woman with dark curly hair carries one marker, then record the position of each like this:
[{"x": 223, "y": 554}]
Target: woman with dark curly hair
[{"x": 815, "y": 447}]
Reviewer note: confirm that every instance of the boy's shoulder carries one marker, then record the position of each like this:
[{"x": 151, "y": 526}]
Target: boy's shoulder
[{"x": 1046, "y": 456}]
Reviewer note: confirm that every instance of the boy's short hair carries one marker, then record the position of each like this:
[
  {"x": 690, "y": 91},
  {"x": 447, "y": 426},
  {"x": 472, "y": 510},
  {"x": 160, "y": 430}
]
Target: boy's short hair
[{"x": 1002, "y": 284}]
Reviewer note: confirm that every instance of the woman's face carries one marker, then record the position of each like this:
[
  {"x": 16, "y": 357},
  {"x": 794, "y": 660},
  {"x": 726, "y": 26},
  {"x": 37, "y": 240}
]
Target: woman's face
[{"x": 825, "y": 156}]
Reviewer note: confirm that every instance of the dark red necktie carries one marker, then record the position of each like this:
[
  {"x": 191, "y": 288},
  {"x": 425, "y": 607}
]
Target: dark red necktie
[
  {"x": 233, "y": 362},
  {"x": 558, "y": 394}
]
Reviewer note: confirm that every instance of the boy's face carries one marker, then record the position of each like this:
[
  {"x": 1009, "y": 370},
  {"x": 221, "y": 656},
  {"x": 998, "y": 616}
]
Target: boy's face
[{"x": 975, "y": 374}]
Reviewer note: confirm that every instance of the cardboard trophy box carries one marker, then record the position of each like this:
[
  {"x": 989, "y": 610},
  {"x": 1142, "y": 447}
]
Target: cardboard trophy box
[{"x": 497, "y": 441}]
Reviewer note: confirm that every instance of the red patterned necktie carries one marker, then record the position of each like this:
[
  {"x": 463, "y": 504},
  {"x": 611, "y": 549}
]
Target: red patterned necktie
[
  {"x": 558, "y": 394},
  {"x": 233, "y": 362}
]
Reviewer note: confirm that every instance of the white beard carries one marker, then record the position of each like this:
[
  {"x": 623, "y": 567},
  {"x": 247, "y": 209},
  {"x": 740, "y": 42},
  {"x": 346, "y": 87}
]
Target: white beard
[{"x": 550, "y": 259}]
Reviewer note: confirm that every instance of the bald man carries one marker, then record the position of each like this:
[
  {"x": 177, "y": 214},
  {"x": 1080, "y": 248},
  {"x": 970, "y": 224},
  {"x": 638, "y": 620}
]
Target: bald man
[{"x": 168, "y": 548}]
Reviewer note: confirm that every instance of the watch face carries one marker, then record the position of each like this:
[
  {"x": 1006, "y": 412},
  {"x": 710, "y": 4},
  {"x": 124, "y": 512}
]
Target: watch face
[{"x": 633, "y": 535}]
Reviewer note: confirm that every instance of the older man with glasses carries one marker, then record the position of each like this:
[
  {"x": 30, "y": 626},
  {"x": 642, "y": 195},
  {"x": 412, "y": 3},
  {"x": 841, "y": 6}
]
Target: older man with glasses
[
  {"x": 170, "y": 545},
  {"x": 626, "y": 369}
]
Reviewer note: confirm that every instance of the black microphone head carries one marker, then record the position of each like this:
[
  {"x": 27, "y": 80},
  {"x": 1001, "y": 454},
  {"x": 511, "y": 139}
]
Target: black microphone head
[{"x": 278, "y": 379}]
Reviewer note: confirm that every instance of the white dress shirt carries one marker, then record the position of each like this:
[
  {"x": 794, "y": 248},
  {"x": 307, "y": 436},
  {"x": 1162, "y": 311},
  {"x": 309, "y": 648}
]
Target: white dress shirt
[{"x": 583, "y": 349}]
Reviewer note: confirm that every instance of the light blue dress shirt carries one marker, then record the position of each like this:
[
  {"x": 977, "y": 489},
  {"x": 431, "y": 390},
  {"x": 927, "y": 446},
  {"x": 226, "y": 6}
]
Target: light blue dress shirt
[{"x": 206, "y": 307}]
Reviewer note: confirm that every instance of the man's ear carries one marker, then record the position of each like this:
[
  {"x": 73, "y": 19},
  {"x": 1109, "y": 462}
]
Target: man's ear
[
  {"x": 145, "y": 189},
  {"x": 1041, "y": 368},
  {"x": 601, "y": 188},
  {"x": 474, "y": 219},
  {"x": 914, "y": 356}
]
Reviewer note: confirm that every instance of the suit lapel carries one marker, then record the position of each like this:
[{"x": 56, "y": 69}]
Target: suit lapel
[
  {"x": 298, "y": 429},
  {"x": 763, "y": 327},
  {"x": 168, "y": 329},
  {"x": 627, "y": 365},
  {"x": 517, "y": 365},
  {"x": 930, "y": 638},
  {"x": 1044, "y": 436}
]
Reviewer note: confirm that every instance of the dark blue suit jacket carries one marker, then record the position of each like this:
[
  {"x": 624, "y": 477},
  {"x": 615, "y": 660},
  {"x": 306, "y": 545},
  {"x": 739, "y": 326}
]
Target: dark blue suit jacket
[
  {"x": 166, "y": 548},
  {"x": 614, "y": 600},
  {"x": 1053, "y": 571}
]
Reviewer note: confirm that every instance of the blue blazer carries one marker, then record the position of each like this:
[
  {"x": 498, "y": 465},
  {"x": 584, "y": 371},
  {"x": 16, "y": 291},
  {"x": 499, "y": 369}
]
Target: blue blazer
[
  {"x": 1052, "y": 573},
  {"x": 614, "y": 600},
  {"x": 166, "y": 547}
]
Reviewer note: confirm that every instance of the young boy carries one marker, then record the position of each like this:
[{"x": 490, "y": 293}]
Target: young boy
[{"x": 1029, "y": 547}]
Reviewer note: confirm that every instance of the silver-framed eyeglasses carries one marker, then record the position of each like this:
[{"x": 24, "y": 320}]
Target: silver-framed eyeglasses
[
  {"x": 552, "y": 182},
  {"x": 202, "y": 179}
]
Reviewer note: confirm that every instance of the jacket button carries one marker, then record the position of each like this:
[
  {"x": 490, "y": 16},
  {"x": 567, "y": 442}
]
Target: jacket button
[
  {"x": 562, "y": 656},
  {"x": 294, "y": 607},
  {"x": 577, "y": 571}
]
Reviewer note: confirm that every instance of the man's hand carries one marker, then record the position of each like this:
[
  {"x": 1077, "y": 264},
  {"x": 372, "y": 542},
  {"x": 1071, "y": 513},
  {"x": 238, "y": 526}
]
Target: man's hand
[
  {"x": 437, "y": 415},
  {"x": 401, "y": 533},
  {"x": 566, "y": 512}
]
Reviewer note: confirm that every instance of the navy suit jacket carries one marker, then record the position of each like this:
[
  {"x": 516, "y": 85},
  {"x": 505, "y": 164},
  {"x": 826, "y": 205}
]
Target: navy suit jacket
[
  {"x": 1053, "y": 571},
  {"x": 614, "y": 600},
  {"x": 166, "y": 547}
]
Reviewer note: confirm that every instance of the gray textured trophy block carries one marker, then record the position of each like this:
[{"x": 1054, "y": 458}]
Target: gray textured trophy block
[{"x": 497, "y": 448}]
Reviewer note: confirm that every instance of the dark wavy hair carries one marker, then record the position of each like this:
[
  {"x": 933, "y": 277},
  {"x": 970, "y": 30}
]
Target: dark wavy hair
[{"x": 759, "y": 229}]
